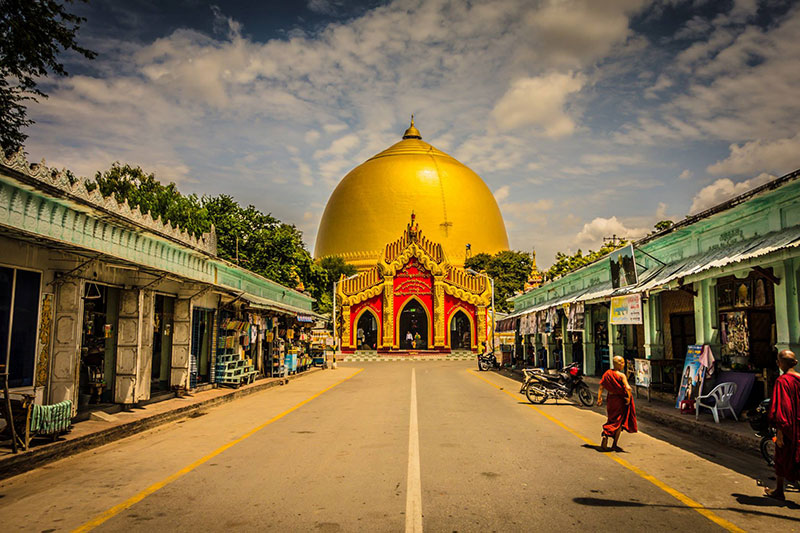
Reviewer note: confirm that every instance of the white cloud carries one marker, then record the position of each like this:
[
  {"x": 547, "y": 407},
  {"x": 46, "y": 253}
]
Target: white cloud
[
  {"x": 724, "y": 189},
  {"x": 311, "y": 136},
  {"x": 595, "y": 231},
  {"x": 686, "y": 174},
  {"x": 325, "y": 7},
  {"x": 501, "y": 193},
  {"x": 779, "y": 156},
  {"x": 339, "y": 147},
  {"x": 539, "y": 102}
]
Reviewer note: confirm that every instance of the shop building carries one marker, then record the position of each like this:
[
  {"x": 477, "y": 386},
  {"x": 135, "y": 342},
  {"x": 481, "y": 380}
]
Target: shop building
[
  {"x": 413, "y": 299},
  {"x": 100, "y": 304},
  {"x": 727, "y": 277}
]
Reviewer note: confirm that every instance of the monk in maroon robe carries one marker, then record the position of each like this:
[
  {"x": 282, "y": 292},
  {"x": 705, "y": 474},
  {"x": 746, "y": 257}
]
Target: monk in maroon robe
[
  {"x": 785, "y": 415},
  {"x": 619, "y": 404}
]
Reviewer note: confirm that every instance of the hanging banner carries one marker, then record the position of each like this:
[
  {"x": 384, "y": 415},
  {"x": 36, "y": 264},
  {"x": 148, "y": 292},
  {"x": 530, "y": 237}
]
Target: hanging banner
[
  {"x": 623, "y": 267},
  {"x": 575, "y": 321},
  {"x": 626, "y": 309}
]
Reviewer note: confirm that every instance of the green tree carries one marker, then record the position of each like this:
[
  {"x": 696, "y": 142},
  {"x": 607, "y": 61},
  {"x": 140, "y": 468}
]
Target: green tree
[
  {"x": 32, "y": 35},
  {"x": 662, "y": 225},
  {"x": 509, "y": 270},
  {"x": 331, "y": 269},
  {"x": 566, "y": 263}
]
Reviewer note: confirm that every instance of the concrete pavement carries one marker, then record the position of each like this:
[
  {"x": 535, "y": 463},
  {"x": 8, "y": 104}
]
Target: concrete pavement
[{"x": 331, "y": 453}]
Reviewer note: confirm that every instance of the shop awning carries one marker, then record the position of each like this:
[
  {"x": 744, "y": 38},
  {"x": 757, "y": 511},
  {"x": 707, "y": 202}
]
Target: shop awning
[
  {"x": 270, "y": 305},
  {"x": 734, "y": 253}
]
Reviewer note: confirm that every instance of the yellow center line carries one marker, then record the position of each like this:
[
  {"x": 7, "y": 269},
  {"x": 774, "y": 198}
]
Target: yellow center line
[
  {"x": 110, "y": 513},
  {"x": 684, "y": 499}
]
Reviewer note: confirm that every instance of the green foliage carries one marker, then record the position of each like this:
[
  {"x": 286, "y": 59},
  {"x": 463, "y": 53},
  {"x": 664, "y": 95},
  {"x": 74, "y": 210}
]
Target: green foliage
[
  {"x": 662, "y": 225},
  {"x": 253, "y": 240},
  {"x": 144, "y": 191},
  {"x": 568, "y": 263},
  {"x": 32, "y": 34},
  {"x": 509, "y": 269}
]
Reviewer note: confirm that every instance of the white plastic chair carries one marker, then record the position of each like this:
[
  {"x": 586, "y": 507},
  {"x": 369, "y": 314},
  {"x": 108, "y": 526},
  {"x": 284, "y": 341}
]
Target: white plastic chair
[{"x": 722, "y": 395}]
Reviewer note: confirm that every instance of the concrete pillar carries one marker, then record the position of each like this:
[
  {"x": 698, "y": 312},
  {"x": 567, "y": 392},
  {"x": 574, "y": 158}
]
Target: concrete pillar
[
  {"x": 129, "y": 345},
  {"x": 588, "y": 341},
  {"x": 653, "y": 328},
  {"x": 706, "y": 319},
  {"x": 566, "y": 343},
  {"x": 66, "y": 343},
  {"x": 144, "y": 371},
  {"x": 616, "y": 346},
  {"x": 787, "y": 315},
  {"x": 181, "y": 339}
]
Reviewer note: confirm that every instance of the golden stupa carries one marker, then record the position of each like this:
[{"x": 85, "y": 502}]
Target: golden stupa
[{"x": 371, "y": 205}]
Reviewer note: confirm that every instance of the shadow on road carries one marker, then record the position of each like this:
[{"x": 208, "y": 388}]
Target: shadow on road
[{"x": 741, "y": 498}]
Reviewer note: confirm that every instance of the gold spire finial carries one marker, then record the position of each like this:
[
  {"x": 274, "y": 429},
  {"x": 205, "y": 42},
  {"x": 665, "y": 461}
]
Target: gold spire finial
[{"x": 412, "y": 132}]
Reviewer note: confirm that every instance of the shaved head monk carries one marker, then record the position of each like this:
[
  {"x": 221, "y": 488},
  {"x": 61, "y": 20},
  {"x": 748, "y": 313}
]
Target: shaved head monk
[
  {"x": 619, "y": 404},
  {"x": 784, "y": 412}
]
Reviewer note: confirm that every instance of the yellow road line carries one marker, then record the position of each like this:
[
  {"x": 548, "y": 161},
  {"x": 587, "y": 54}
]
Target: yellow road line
[
  {"x": 110, "y": 513},
  {"x": 684, "y": 499}
]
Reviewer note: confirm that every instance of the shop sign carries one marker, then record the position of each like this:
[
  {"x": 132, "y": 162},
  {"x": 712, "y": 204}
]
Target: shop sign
[
  {"x": 643, "y": 372},
  {"x": 626, "y": 309},
  {"x": 623, "y": 267}
]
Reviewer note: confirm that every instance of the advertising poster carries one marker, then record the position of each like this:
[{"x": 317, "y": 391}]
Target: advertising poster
[
  {"x": 643, "y": 372},
  {"x": 626, "y": 309},
  {"x": 623, "y": 267},
  {"x": 692, "y": 377}
]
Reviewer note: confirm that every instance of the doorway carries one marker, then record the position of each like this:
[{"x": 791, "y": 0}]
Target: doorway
[
  {"x": 681, "y": 327},
  {"x": 460, "y": 331},
  {"x": 414, "y": 326},
  {"x": 367, "y": 332},
  {"x": 98, "y": 345},
  {"x": 202, "y": 322},
  {"x": 163, "y": 309}
]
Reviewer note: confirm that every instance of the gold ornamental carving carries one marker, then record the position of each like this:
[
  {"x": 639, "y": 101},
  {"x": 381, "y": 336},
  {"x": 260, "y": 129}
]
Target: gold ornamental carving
[
  {"x": 45, "y": 330},
  {"x": 346, "y": 342},
  {"x": 388, "y": 312},
  {"x": 481, "y": 333},
  {"x": 438, "y": 312}
]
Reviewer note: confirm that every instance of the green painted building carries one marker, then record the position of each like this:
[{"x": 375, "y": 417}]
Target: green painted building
[
  {"x": 727, "y": 277},
  {"x": 100, "y": 303}
]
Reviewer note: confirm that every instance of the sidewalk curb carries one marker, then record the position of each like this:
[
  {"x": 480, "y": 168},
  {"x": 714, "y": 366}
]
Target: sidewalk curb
[
  {"x": 683, "y": 423},
  {"x": 15, "y": 465}
]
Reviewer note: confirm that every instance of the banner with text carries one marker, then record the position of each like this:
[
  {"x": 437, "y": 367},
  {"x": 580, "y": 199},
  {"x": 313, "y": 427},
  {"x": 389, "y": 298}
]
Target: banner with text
[{"x": 626, "y": 309}]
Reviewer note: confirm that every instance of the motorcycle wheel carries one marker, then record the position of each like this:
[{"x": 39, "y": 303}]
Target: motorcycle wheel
[
  {"x": 585, "y": 396},
  {"x": 536, "y": 394},
  {"x": 768, "y": 450},
  {"x": 484, "y": 365}
]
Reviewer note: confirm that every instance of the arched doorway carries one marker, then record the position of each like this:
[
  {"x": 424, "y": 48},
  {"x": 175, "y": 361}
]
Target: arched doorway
[
  {"x": 460, "y": 331},
  {"x": 413, "y": 331},
  {"x": 367, "y": 332}
]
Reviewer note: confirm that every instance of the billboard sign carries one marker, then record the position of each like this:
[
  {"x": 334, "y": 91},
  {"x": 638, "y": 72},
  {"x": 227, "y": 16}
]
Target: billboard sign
[
  {"x": 626, "y": 309},
  {"x": 623, "y": 267}
]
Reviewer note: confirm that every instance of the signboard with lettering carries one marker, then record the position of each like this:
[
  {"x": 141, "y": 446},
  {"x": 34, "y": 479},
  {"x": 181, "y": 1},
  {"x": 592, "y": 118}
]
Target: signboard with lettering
[{"x": 626, "y": 309}]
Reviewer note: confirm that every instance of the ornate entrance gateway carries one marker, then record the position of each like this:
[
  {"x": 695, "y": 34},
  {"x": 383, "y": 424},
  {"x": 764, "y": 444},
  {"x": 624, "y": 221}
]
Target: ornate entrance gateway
[{"x": 419, "y": 300}]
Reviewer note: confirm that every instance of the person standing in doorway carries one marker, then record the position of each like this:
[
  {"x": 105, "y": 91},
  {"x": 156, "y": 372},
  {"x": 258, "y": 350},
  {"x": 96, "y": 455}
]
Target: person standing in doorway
[
  {"x": 409, "y": 339},
  {"x": 619, "y": 404},
  {"x": 784, "y": 412}
]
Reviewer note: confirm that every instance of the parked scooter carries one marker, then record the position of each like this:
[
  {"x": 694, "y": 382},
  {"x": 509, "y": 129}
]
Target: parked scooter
[
  {"x": 759, "y": 421},
  {"x": 487, "y": 360},
  {"x": 539, "y": 386}
]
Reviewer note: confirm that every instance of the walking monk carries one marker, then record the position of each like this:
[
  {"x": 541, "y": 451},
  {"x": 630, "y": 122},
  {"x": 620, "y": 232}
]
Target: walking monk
[
  {"x": 784, "y": 413},
  {"x": 619, "y": 404}
]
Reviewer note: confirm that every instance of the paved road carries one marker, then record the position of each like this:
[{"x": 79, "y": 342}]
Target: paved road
[{"x": 399, "y": 446}]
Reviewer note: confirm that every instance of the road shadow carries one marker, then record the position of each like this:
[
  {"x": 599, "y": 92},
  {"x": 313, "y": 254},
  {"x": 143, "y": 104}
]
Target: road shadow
[
  {"x": 746, "y": 500},
  {"x": 597, "y": 448}
]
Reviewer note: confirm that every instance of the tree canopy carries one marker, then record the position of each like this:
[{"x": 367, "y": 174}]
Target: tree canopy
[
  {"x": 253, "y": 240},
  {"x": 509, "y": 269},
  {"x": 32, "y": 35}
]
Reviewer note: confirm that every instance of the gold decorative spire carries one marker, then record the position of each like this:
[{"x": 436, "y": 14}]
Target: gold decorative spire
[{"x": 412, "y": 132}]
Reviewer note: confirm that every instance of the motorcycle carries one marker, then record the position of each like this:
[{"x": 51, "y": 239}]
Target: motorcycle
[
  {"x": 759, "y": 421},
  {"x": 539, "y": 386},
  {"x": 487, "y": 361}
]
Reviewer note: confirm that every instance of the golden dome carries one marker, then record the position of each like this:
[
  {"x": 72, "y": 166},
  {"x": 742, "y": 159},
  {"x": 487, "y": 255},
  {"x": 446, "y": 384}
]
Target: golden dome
[{"x": 371, "y": 205}]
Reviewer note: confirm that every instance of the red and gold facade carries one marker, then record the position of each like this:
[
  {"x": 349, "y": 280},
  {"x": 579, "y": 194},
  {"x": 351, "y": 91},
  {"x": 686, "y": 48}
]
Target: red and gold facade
[{"x": 414, "y": 275}]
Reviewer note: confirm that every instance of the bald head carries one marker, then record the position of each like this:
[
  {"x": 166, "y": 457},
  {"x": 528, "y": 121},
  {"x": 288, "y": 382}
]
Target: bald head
[
  {"x": 619, "y": 363},
  {"x": 786, "y": 360}
]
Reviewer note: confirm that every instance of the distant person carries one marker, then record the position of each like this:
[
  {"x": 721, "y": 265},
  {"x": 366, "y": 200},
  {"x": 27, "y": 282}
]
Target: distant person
[
  {"x": 409, "y": 339},
  {"x": 619, "y": 404},
  {"x": 784, "y": 413},
  {"x": 360, "y": 337},
  {"x": 417, "y": 340}
]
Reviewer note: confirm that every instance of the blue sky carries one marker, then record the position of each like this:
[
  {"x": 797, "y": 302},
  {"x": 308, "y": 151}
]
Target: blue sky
[{"x": 585, "y": 118}]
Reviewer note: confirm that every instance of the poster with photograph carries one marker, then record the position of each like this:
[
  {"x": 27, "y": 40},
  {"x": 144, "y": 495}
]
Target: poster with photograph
[
  {"x": 623, "y": 267},
  {"x": 643, "y": 372},
  {"x": 692, "y": 377}
]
